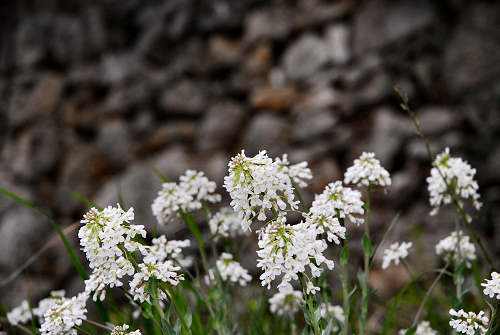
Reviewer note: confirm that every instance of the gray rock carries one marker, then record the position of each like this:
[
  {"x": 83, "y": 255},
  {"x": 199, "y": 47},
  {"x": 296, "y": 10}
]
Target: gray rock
[
  {"x": 389, "y": 131},
  {"x": 305, "y": 56},
  {"x": 313, "y": 124},
  {"x": 41, "y": 100},
  {"x": 471, "y": 56},
  {"x": 114, "y": 142},
  {"x": 124, "y": 99},
  {"x": 267, "y": 24},
  {"x": 338, "y": 42},
  {"x": 379, "y": 23},
  {"x": 20, "y": 232},
  {"x": 185, "y": 97},
  {"x": 118, "y": 68},
  {"x": 220, "y": 126},
  {"x": 437, "y": 119},
  {"x": 56, "y": 36},
  {"x": 33, "y": 153},
  {"x": 266, "y": 132}
]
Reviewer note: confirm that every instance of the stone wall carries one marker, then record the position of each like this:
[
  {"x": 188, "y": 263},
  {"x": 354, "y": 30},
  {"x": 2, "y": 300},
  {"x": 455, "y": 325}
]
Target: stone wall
[{"x": 96, "y": 93}]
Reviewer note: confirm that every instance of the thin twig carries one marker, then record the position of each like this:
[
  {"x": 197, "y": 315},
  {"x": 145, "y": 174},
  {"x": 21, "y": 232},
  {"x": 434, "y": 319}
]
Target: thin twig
[
  {"x": 427, "y": 294},
  {"x": 100, "y": 325},
  {"x": 23, "y": 328}
]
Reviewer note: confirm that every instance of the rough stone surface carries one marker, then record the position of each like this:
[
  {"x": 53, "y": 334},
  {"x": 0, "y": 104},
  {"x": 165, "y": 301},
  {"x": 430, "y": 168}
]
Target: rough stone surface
[
  {"x": 304, "y": 57},
  {"x": 266, "y": 132}
]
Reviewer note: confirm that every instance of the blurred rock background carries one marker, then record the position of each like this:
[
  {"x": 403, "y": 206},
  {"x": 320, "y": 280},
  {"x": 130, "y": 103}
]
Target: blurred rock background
[{"x": 96, "y": 93}]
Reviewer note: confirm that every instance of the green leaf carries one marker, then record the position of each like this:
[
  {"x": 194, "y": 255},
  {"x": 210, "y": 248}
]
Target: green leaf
[
  {"x": 193, "y": 227},
  {"x": 388, "y": 320},
  {"x": 344, "y": 256},
  {"x": 411, "y": 331},
  {"x": 82, "y": 198},
  {"x": 367, "y": 245}
]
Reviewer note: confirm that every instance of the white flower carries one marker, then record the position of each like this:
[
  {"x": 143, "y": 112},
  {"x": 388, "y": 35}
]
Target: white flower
[
  {"x": 327, "y": 311},
  {"x": 335, "y": 205},
  {"x": 286, "y": 302},
  {"x": 367, "y": 171},
  {"x": 20, "y": 314},
  {"x": 458, "y": 249},
  {"x": 187, "y": 195},
  {"x": 64, "y": 314},
  {"x": 44, "y": 304},
  {"x": 226, "y": 223},
  {"x": 492, "y": 286},
  {"x": 395, "y": 253},
  {"x": 288, "y": 250},
  {"x": 258, "y": 184},
  {"x": 232, "y": 270},
  {"x": 165, "y": 272},
  {"x": 161, "y": 249},
  {"x": 459, "y": 176},
  {"x": 298, "y": 172},
  {"x": 468, "y": 322},
  {"x": 423, "y": 328},
  {"x": 104, "y": 237},
  {"x": 123, "y": 330}
]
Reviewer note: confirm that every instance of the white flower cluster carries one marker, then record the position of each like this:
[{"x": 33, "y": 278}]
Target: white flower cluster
[
  {"x": 367, "y": 171},
  {"x": 423, "y": 328},
  {"x": 298, "y": 172},
  {"x": 161, "y": 249},
  {"x": 64, "y": 314},
  {"x": 395, "y": 253},
  {"x": 104, "y": 237},
  {"x": 459, "y": 176},
  {"x": 492, "y": 286},
  {"x": 164, "y": 271},
  {"x": 337, "y": 203},
  {"x": 20, "y": 314},
  {"x": 232, "y": 270},
  {"x": 226, "y": 223},
  {"x": 468, "y": 322},
  {"x": 123, "y": 330},
  {"x": 327, "y": 311},
  {"x": 187, "y": 195},
  {"x": 287, "y": 250},
  {"x": 44, "y": 304},
  {"x": 286, "y": 302},
  {"x": 457, "y": 248},
  {"x": 258, "y": 183}
]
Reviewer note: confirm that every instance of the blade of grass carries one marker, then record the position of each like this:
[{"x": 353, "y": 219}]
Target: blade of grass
[{"x": 82, "y": 198}]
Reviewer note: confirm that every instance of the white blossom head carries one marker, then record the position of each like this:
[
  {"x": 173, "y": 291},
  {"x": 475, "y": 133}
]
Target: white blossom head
[
  {"x": 287, "y": 250},
  {"x": 328, "y": 312},
  {"x": 64, "y": 314},
  {"x": 20, "y": 314},
  {"x": 395, "y": 253},
  {"x": 492, "y": 286},
  {"x": 333, "y": 208},
  {"x": 124, "y": 330},
  {"x": 164, "y": 271},
  {"x": 286, "y": 302},
  {"x": 258, "y": 184},
  {"x": 367, "y": 171},
  {"x": 162, "y": 249},
  {"x": 44, "y": 304},
  {"x": 187, "y": 195},
  {"x": 423, "y": 328},
  {"x": 457, "y": 247},
  {"x": 468, "y": 322},
  {"x": 451, "y": 177},
  {"x": 105, "y": 236},
  {"x": 226, "y": 223},
  {"x": 297, "y": 172},
  {"x": 231, "y": 270}
]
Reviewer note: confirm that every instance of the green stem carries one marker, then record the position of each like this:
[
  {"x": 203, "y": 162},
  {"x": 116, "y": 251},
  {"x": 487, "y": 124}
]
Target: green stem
[
  {"x": 345, "y": 288},
  {"x": 310, "y": 307},
  {"x": 364, "y": 288},
  {"x": 299, "y": 196}
]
